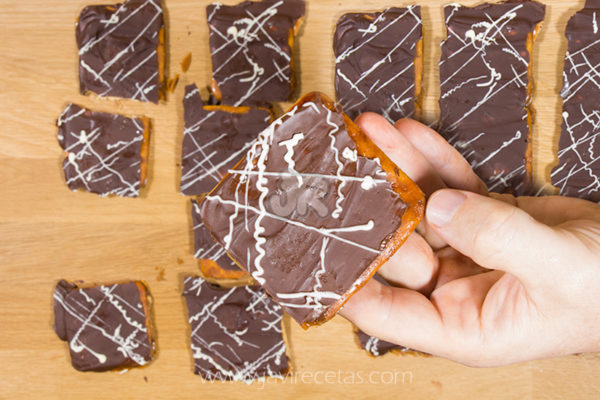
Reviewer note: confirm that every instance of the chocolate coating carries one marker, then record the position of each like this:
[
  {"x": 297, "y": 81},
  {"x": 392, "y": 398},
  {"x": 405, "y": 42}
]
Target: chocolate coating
[
  {"x": 375, "y": 62},
  {"x": 118, "y": 49},
  {"x": 214, "y": 140},
  {"x": 236, "y": 332},
  {"x": 376, "y": 347},
  {"x": 485, "y": 89},
  {"x": 104, "y": 151},
  {"x": 304, "y": 213},
  {"x": 578, "y": 171},
  {"x": 106, "y": 326},
  {"x": 251, "y": 50}
]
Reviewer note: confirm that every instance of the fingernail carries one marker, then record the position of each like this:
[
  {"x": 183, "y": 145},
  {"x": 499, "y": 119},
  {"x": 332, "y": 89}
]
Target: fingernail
[{"x": 443, "y": 205}]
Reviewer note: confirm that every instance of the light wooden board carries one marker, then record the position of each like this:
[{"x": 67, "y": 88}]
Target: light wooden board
[{"x": 48, "y": 232}]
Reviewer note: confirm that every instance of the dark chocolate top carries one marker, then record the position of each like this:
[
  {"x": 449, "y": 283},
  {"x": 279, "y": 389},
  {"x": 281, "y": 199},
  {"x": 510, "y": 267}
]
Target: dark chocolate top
[
  {"x": 375, "y": 62},
  {"x": 303, "y": 213},
  {"x": 484, "y": 89},
  {"x": 103, "y": 151},
  {"x": 106, "y": 326},
  {"x": 578, "y": 171},
  {"x": 117, "y": 49},
  {"x": 205, "y": 247},
  {"x": 236, "y": 332},
  {"x": 376, "y": 347},
  {"x": 214, "y": 141},
  {"x": 250, "y": 49}
]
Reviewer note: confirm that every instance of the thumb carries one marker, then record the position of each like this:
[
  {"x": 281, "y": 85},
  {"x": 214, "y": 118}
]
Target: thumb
[{"x": 494, "y": 234}]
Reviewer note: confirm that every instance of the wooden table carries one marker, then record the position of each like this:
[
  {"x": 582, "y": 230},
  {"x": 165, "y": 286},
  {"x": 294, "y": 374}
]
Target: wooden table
[{"x": 47, "y": 232}]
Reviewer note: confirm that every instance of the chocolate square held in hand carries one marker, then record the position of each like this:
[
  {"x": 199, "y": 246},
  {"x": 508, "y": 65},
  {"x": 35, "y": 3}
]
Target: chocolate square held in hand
[
  {"x": 578, "y": 171},
  {"x": 214, "y": 261},
  {"x": 379, "y": 64},
  {"x": 121, "y": 50},
  {"x": 236, "y": 333},
  {"x": 106, "y": 153},
  {"x": 313, "y": 209},
  {"x": 107, "y": 327},
  {"x": 215, "y": 139},
  {"x": 486, "y": 85},
  {"x": 252, "y": 50}
]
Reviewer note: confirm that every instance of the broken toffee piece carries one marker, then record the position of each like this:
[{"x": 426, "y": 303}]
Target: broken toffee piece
[
  {"x": 215, "y": 139},
  {"x": 379, "y": 63},
  {"x": 121, "y": 50},
  {"x": 313, "y": 210},
  {"x": 376, "y": 347},
  {"x": 107, "y": 327},
  {"x": 214, "y": 261},
  {"x": 252, "y": 50},
  {"x": 578, "y": 171},
  {"x": 486, "y": 85},
  {"x": 106, "y": 153},
  {"x": 236, "y": 332}
]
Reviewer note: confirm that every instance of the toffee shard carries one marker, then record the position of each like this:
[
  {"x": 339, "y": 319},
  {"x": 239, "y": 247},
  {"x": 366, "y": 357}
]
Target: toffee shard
[
  {"x": 252, "y": 50},
  {"x": 236, "y": 332},
  {"x": 485, "y": 75},
  {"x": 376, "y": 347},
  {"x": 313, "y": 210},
  {"x": 121, "y": 50},
  {"x": 107, "y": 327},
  {"x": 379, "y": 62},
  {"x": 578, "y": 171}
]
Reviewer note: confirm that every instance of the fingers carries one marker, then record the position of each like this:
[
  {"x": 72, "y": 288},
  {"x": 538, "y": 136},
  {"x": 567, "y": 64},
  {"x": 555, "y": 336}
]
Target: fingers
[
  {"x": 452, "y": 167},
  {"x": 453, "y": 266},
  {"x": 400, "y": 151},
  {"x": 494, "y": 234}
]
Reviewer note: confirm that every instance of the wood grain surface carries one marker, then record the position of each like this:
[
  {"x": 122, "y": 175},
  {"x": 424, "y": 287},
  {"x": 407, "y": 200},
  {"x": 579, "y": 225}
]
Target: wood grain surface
[{"x": 47, "y": 232}]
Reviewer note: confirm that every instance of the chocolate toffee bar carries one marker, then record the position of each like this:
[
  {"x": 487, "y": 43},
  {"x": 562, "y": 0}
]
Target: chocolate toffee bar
[
  {"x": 105, "y": 153},
  {"x": 313, "y": 209},
  {"x": 578, "y": 171},
  {"x": 486, "y": 85},
  {"x": 214, "y": 261},
  {"x": 236, "y": 333},
  {"x": 376, "y": 347},
  {"x": 107, "y": 327},
  {"x": 252, "y": 50},
  {"x": 215, "y": 139},
  {"x": 121, "y": 50},
  {"x": 379, "y": 62}
]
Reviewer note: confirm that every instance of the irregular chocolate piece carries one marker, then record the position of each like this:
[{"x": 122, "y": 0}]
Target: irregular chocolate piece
[
  {"x": 486, "y": 83},
  {"x": 252, "y": 50},
  {"x": 214, "y": 261},
  {"x": 376, "y": 347},
  {"x": 107, "y": 327},
  {"x": 379, "y": 62},
  {"x": 121, "y": 50},
  {"x": 313, "y": 210},
  {"x": 215, "y": 139},
  {"x": 578, "y": 171},
  {"x": 236, "y": 332},
  {"x": 106, "y": 153}
]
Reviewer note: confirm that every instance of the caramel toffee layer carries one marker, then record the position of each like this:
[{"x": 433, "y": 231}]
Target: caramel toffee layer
[
  {"x": 375, "y": 62},
  {"x": 304, "y": 213},
  {"x": 236, "y": 332},
  {"x": 485, "y": 89},
  {"x": 105, "y": 152},
  {"x": 251, "y": 46},
  {"x": 119, "y": 49},
  {"x": 214, "y": 140},
  {"x": 578, "y": 171},
  {"x": 107, "y": 327}
]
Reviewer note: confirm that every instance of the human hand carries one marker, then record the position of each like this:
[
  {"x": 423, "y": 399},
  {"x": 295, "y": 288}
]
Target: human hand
[{"x": 488, "y": 280}]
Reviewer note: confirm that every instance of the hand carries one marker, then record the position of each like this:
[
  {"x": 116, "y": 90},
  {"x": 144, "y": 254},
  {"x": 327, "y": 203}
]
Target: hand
[{"x": 488, "y": 280}]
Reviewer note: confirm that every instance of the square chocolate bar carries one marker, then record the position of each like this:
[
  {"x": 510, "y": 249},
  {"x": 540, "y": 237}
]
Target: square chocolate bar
[
  {"x": 107, "y": 327},
  {"x": 215, "y": 139},
  {"x": 252, "y": 50},
  {"x": 313, "y": 209},
  {"x": 121, "y": 50},
  {"x": 236, "y": 332},
  {"x": 106, "y": 153}
]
